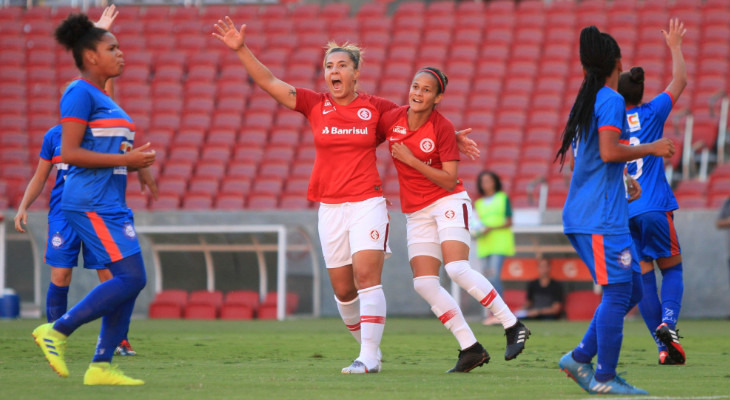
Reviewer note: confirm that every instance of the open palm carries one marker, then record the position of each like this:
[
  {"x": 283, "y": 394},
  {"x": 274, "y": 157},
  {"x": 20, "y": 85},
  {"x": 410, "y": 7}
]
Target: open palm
[{"x": 228, "y": 34}]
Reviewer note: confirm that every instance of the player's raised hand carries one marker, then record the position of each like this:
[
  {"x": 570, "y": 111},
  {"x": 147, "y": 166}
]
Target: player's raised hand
[
  {"x": 107, "y": 17},
  {"x": 228, "y": 34},
  {"x": 140, "y": 157},
  {"x": 675, "y": 34},
  {"x": 663, "y": 147}
]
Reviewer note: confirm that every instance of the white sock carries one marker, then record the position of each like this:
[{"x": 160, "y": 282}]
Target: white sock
[
  {"x": 481, "y": 289},
  {"x": 350, "y": 313},
  {"x": 372, "y": 323},
  {"x": 445, "y": 308}
]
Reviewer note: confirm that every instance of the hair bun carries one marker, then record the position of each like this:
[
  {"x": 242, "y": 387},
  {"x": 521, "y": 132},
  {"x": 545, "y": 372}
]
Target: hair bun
[
  {"x": 637, "y": 75},
  {"x": 72, "y": 29}
]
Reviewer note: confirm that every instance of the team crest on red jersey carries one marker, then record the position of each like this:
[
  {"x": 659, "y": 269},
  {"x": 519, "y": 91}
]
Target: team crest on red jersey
[
  {"x": 450, "y": 214},
  {"x": 427, "y": 145},
  {"x": 374, "y": 234},
  {"x": 364, "y": 114}
]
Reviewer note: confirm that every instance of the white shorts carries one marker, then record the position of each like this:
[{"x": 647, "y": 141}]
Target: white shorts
[
  {"x": 345, "y": 229},
  {"x": 446, "y": 219}
]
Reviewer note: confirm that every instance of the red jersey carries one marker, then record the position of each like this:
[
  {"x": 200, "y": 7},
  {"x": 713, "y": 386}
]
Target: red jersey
[
  {"x": 345, "y": 138},
  {"x": 433, "y": 143}
]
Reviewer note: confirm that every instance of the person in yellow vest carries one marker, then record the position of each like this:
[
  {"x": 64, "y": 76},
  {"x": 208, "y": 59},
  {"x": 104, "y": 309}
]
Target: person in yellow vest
[{"x": 492, "y": 228}]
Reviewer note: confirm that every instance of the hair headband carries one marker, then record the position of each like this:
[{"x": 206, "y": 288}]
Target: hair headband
[{"x": 438, "y": 78}]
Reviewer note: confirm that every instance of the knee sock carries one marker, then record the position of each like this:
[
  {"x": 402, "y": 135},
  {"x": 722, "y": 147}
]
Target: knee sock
[
  {"x": 56, "y": 301},
  {"x": 650, "y": 308},
  {"x": 350, "y": 313},
  {"x": 481, "y": 289},
  {"x": 588, "y": 346},
  {"x": 445, "y": 308},
  {"x": 609, "y": 328},
  {"x": 129, "y": 279},
  {"x": 672, "y": 290},
  {"x": 114, "y": 327},
  {"x": 372, "y": 323}
]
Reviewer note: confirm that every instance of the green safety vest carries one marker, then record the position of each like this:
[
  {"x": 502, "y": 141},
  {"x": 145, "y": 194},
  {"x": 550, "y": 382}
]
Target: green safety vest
[{"x": 493, "y": 212}]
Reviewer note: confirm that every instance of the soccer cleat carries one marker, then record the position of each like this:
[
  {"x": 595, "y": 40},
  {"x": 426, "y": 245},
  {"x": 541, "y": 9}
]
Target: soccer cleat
[
  {"x": 670, "y": 338},
  {"x": 53, "y": 348},
  {"x": 664, "y": 359},
  {"x": 617, "y": 385},
  {"x": 517, "y": 334},
  {"x": 471, "y": 357},
  {"x": 125, "y": 349},
  {"x": 581, "y": 373},
  {"x": 103, "y": 373},
  {"x": 358, "y": 367}
]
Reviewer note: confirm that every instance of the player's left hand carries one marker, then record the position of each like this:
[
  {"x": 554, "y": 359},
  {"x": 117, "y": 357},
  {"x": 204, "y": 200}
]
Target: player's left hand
[
  {"x": 107, "y": 18},
  {"x": 401, "y": 152},
  {"x": 633, "y": 188},
  {"x": 147, "y": 180},
  {"x": 467, "y": 146}
]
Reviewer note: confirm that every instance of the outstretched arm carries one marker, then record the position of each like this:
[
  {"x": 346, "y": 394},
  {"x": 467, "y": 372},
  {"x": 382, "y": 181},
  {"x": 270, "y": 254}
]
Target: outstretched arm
[
  {"x": 679, "y": 68},
  {"x": 281, "y": 91}
]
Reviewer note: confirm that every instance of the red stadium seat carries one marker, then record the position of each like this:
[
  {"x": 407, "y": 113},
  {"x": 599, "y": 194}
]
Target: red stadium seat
[
  {"x": 580, "y": 305},
  {"x": 203, "y": 304},
  {"x": 262, "y": 202},
  {"x": 197, "y": 201},
  {"x": 168, "y": 304},
  {"x": 168, "y": 201},
  {"x": 515, "y": 298},
  {"x": 267, "y": 309},
  {"x": 230, "y": 202}
]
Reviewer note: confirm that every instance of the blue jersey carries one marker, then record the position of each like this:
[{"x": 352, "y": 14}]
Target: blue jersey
[
  {"x": 51, "y": 152},
  {"x": 108, "y": 130},
  {"x": 596, "y": 202},
  {"x": 646, "y": 124}
]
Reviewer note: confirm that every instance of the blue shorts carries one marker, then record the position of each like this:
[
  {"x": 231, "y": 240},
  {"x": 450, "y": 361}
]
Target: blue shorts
[
  {"x": 610, "y": 258},
  {"x": 654, "y": 235},
  {"x": 64, "y": 245},
  {"x": 109, "y": 235}
]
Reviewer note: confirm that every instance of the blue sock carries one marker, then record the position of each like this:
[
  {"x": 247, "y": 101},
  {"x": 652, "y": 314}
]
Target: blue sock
[
  {"x": 56, "y": 301},
  {"x": 114, "y": 328},
  {"x": 609, "y": 328},
  {"x": 588, "y": 346},
  {"x": 129, "y": 279},
  {"x": 651, "y": 308},
  {"x": 672, "y": 290}
]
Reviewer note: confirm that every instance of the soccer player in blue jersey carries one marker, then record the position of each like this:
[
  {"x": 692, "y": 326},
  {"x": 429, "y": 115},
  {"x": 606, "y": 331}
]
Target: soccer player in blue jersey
[
  {"x": 595, "y": 216},
  {"x": 652, "y": 216},
  {"x": 63, "y": 245},
  {"x": 97, "y": 142}
]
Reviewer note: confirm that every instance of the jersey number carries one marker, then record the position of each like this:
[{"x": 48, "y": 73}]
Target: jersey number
[{"x": 634, "y": 141}]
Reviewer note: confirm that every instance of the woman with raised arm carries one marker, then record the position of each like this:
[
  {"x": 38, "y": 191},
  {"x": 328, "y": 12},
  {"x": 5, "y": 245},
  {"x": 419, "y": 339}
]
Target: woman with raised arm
[
  {"x": 595, "y": 216},
  {"x": 353, "y": 219},
  {"x": 651, "y": 217},
  {"x": 438, "y": 211},
  {"x": 97, "y": 142}
]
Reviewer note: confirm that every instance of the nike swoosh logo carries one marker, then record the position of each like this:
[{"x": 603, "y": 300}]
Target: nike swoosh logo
[{"x": 326, "y": 112}]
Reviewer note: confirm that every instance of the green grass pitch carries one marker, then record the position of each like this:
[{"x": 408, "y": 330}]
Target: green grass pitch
[{"x": 301, "y": 359}]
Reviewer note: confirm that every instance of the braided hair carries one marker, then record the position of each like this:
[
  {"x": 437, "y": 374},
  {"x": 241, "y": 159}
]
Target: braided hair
[{"x": 599, "y": 54}]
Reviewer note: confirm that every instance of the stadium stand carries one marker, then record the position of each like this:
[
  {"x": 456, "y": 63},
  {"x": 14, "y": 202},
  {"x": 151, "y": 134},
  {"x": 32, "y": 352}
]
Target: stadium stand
[{"x": 513, "y": 67}]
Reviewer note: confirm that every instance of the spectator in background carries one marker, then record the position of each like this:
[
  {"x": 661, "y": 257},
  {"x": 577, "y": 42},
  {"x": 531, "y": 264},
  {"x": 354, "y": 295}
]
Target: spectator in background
[
  {"x": 492, "y": 229},
  {"x": 544, "y": 296}
]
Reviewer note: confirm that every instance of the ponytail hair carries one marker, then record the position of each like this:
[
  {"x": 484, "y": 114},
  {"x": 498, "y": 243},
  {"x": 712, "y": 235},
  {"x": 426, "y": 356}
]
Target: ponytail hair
[
  {"x": 77, "y": 33},
  {"x": 599, "y": 54},
  {"x": 441, "y": 79},
  {"x": 631, "y": 86}
]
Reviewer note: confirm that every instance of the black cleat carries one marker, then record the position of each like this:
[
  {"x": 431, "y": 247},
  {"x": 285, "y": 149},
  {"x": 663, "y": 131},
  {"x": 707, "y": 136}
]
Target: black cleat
[
  {"x": 670, "y": 338},
  {"x": 517, "y": 334},
  {"x": 470, "y": 358}
]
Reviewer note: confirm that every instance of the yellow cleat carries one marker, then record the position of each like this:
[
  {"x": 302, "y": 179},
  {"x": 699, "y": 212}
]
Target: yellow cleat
[
  {"x": 103, "y": 373},
  {"x": 53, "y": 344}
]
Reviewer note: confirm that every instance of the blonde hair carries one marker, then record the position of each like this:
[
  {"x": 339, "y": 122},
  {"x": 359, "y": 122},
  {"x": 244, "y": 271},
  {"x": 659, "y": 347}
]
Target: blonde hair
[{"x": 351, "y": 49}]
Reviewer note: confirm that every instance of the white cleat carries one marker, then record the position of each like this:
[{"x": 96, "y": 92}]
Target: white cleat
[{"x": 358, "y": 367}]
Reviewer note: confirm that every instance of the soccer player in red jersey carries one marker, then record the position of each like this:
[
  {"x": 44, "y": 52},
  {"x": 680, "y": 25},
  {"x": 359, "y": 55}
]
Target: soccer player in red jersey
[
  {"x": 437, "y": 210},
  {"x": 353, "y": 219}
]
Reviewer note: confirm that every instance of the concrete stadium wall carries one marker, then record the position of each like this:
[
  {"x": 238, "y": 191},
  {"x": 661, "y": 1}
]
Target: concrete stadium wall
[{"x": 707, "y": 277}]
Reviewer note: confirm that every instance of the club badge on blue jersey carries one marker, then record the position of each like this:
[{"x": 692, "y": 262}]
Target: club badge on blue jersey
[
  {"x": 129, "y": 231},
  {"x": 57, "y": 240}
]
